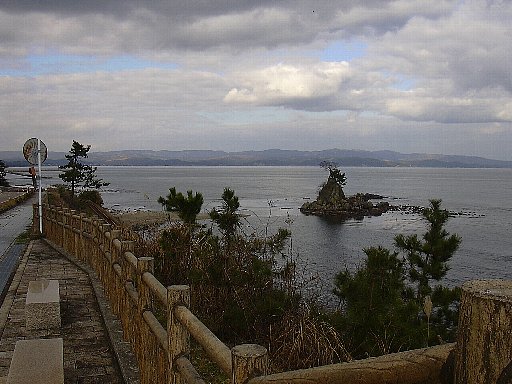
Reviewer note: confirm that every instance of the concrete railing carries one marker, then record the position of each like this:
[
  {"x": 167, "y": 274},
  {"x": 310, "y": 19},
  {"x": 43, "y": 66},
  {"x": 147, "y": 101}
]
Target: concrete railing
[{"x": 157, "y": 321}]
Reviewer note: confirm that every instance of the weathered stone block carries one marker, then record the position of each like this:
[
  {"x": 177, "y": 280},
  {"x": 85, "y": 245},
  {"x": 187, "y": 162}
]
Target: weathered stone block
[
  {"x": 37, "y": 361},
  {"x": 42, "y": 307}
]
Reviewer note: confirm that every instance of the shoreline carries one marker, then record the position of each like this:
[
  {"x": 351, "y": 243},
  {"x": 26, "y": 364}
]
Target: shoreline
[{"x": 150, "y": 218}]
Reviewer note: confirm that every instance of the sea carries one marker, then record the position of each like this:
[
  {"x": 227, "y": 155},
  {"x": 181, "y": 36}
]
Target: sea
[{"x": 270, "y": 197}]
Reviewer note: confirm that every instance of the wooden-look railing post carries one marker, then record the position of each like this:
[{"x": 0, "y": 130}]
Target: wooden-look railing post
[
  {"x": 248, "y": 361},
  {"x": 60, "y": 228},
  {"x": 82, "y": 229},
  {"x": 73, "y": 232},
  {"x": 143, "y": 347},
  {"x": 44, "y": 211},
  {"x": 126, "y": 276},
  {"x": 46, "y": 220},
  {"x": 61, "y": 233},
  {"x": 178, "y": 336},
  {"x": 114, "y": 234},
  {"x": 484, "y": 337},
  {"x": 126, "y": 246},
  {"x": 96, "y": 224},
  {"x": 104, "y": 265},
  {"x": 87, "y": 238},
  {"x": 65, "y": 228},
  {"x": 35, "y": 219},
  {"x": 55, "y": 225},
  {"x": 144, "y": 264},
  {"x": 115, "y": 283},
  {"x": 48, "y": 225}
]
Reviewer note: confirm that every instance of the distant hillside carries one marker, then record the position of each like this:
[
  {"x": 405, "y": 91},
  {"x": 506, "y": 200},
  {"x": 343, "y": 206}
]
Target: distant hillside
[{"x": 343, "y": 157}]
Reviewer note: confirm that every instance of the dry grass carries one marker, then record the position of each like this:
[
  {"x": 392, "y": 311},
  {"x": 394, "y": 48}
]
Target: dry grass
[
  {"x": 303, "y": 341},
  {"x": 150, "y": 218},
  {"x": 10, "y": 200}
]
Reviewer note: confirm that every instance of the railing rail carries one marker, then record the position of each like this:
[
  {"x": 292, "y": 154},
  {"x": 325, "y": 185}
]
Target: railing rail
[
  {"x": 158, "y": 323},
  {"x": 160, "y": 341}
]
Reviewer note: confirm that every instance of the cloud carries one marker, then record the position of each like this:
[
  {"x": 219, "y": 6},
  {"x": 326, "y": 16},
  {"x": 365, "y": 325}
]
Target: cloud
[
  {"x": 458, "y": 68},
  {"x": 227, "y": 75},
  {"x": 472, "y": 47},
  {"x": 288, "y": 85},
  {"x": 125, "y": 108},
  {"x": 109, "y": 27},
  {"x": 449, "y": 110}
]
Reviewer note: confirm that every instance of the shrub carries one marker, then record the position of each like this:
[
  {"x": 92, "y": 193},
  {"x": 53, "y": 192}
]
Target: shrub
[
  {"x": 382, "y": 302},
  {"x": 244, "y": 286},
  {"x": 92, "y": 195}
]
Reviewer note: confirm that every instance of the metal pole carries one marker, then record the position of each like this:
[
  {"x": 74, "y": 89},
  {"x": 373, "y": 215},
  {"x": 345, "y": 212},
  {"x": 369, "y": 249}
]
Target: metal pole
[{"x": 40, "y": 186}]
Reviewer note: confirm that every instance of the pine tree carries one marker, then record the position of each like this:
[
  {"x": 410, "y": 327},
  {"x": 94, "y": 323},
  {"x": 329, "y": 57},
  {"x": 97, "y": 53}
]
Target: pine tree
[
  {"x": 3, "y": 180},
  {"x": 376, "y": 316},
  {"x": 76, "y": 172},
  {"x": 227, "y": 217},
  {"x": 383, "y": 299},
  {"x": 187, "y": 207},
  {"x": 332, "y": 191},
  {"x": 428, "y": 258}
]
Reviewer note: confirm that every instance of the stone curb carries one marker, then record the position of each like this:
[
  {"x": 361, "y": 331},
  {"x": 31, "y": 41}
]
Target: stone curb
[{"x": 126, "y": 360}]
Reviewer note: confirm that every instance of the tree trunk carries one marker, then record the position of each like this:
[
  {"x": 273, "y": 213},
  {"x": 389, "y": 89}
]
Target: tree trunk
[{"x": 484, "y": 341}]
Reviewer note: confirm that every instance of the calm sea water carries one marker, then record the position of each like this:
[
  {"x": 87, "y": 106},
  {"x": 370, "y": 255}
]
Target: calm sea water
[{"x": 272, "y": 196}]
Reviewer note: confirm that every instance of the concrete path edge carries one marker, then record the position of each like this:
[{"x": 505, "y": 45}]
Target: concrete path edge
[{"x": 13, "y": 287}]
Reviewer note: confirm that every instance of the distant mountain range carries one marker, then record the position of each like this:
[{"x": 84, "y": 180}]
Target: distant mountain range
[{"x": 342, "y": 157}]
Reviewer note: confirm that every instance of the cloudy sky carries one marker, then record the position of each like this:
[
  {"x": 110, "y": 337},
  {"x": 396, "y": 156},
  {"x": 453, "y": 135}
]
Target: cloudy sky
[{"x": 408, "y": 75}]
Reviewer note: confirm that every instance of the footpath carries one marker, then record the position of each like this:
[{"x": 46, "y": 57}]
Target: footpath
[
  {"x": 90, "y": 350},
  {"x": 12, "y": 223}
]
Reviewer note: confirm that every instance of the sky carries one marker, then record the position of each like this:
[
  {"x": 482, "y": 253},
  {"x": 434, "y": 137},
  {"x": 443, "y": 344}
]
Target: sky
[{"x": 408, "y": 75}]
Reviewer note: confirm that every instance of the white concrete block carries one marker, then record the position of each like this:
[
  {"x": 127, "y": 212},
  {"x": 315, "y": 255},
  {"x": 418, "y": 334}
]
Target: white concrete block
[
  {"x": 42, "y": 306},
  {"x": 37, "y": 361}
]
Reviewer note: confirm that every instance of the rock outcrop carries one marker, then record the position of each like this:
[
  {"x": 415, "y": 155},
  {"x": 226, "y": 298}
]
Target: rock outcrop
[{"x": 332, "y": 202}]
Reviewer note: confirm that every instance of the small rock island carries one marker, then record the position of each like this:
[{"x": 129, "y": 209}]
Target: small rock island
[{"x": 332, "y": 202}]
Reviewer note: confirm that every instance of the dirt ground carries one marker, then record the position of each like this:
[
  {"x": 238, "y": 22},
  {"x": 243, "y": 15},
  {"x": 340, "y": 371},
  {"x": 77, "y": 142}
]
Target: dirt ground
[
  {"x": 145, "y": 217},
  {"x": 151, "y": 217}
]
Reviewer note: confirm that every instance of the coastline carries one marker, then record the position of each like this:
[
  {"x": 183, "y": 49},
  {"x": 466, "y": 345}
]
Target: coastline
[{"x": 150, "y": 218}]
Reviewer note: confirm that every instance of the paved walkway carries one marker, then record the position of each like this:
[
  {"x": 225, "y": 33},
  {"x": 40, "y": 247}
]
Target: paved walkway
[
  {"x": 13, "y": 222},
  {"x": 88, "y": 353}
]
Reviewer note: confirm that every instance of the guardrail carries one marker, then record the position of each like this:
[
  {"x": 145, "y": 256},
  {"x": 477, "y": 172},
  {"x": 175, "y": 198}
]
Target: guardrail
[{"x": 157, "y": 322}]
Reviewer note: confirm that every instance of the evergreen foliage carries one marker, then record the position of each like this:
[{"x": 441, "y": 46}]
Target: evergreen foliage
[
  {"x": 236, "y": 273},
  {"x": 78, "y": 173},
  {"x": 3, "y": 173},
  {"x": 187, "y": 207},
  {"x": 227, "y": 217},
  {"x": 245, "y": 287},
  {"x": 428, "y": 258},
  {"x": 375, "y": 317},
  {"x": 61, "y": 195},
  {"x": 334, "y": 173},
  {"x": 382, "y": 300}
]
